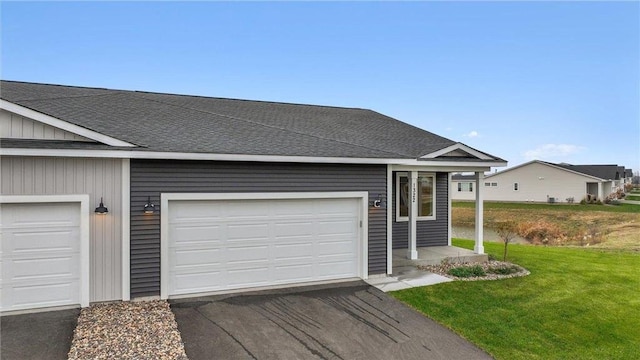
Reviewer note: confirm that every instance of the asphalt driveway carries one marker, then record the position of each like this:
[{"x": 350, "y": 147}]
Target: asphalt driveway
[
  {"x": 45, "y": 335},
  {"x": 345, "y": 321}
]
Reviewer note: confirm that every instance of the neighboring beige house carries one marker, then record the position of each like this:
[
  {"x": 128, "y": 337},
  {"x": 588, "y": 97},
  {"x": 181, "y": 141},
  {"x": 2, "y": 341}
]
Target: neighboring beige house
[
  {"x": 540, "y": 181},
  {"x": 463, "y": 187}
]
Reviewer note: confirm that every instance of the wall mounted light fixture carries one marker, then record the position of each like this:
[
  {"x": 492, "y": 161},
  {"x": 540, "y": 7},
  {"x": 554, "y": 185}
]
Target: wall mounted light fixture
[
  {"x": 149, "y": 208},
  {"x": 101, "y": 209}
]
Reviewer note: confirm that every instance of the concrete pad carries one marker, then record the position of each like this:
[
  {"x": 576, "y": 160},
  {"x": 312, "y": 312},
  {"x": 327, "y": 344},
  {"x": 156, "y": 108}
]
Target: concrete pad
[
  {"x": 407, "y": 277},
  {"x": 45, "y": 335},
  {"x": 341, "y": 321}
]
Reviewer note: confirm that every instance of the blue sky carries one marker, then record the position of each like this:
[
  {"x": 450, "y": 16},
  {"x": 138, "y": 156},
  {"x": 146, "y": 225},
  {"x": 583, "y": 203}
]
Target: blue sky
[{"x": 555, "y": 81}]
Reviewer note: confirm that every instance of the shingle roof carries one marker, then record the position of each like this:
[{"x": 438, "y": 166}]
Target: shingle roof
[
  {"x": 195, "y": 124},
  {"x": 605, "y": 172}
]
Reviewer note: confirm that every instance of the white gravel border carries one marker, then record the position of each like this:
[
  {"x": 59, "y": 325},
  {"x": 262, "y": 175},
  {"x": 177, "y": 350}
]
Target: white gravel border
[{"x": 127, "y": 330}]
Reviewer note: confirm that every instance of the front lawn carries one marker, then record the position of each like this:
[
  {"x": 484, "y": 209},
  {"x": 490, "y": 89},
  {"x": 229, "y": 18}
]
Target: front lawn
[{"x": 576, "y": 304}]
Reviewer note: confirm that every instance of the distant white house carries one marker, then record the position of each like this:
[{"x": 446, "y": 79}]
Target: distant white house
[
  {"x": 540, "y": 181},
  {"x": 463, "y": 187}
]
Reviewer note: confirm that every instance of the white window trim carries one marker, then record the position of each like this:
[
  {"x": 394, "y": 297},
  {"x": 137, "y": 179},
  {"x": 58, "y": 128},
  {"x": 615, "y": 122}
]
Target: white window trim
[{"x": 397, "y": 190}]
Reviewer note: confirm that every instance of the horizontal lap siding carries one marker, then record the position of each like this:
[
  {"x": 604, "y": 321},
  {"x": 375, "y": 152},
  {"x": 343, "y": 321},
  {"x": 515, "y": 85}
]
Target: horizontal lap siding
[
  {"x": 429, "y": 232},
  {"x": 150, "y": 178}
]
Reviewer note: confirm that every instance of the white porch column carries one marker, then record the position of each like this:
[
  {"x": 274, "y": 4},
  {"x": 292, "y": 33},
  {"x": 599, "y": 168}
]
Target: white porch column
[
  {"x": 479, "y": 246},
  {"x": 413, "y": 214},
  {"x": 600, "y": 191}
]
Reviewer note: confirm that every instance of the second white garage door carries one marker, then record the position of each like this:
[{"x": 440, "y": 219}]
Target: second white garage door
[
  {"x": 218, "y": 245},
  {"x": 40, "y": 255}
]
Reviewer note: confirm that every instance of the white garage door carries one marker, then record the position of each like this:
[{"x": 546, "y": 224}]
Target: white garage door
[
  {"x": 40, "y": 254},
  {"x": 218, "y": 245}
]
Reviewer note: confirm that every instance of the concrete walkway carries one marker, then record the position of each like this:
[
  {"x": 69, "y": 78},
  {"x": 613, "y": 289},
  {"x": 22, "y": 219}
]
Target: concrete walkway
[{"x": 406, "y": 277}]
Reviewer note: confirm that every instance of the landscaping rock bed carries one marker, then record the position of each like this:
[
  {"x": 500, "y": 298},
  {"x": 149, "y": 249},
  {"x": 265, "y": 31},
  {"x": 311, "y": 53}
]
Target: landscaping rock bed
[
  {"x": 445, "y": 268},
  {"x": 127, "y": 330}
]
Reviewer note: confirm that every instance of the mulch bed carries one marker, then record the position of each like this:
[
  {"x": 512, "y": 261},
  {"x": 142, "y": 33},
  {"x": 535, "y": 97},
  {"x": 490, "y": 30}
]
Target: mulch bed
[
  {"x": 443, "y": 269},
  {"x": 127, "y": 330}
]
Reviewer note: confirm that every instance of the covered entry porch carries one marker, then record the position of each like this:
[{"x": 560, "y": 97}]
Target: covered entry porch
[{"x": 419, "y": 219}]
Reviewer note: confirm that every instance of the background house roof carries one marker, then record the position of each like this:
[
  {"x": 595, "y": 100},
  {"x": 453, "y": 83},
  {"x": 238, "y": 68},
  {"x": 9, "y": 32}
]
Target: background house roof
[
  {"x": 195, "y": 124},
  {"x": 602, "y": 172},
  {"x": 605, "y": 172}
]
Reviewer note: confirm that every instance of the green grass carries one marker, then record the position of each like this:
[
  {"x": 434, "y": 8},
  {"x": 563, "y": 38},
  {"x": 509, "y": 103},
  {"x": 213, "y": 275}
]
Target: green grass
[
  {"x": 633, "y": 197},
  {"x": 576, "y": 304},
  {"x": 625, "y": 208}
]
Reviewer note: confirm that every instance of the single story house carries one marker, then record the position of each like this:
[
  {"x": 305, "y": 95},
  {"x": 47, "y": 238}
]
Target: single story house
[
  {"x": 463, "y": 187},
  {"x": 112, "y": 195},
  {"x": 541, "y": 181}
]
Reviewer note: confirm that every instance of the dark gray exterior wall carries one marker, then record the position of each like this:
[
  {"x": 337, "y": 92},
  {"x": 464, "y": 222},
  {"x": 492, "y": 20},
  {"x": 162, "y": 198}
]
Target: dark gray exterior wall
[
  {"x": 429, "y": 232},
  {"x": 150, "y": 178}
]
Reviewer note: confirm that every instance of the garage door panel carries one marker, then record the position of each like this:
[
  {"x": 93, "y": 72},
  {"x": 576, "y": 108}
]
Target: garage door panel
[
  {"x": 334, "y": 248},
  {"x": 244, "y": 231},
  {"x": 41, "y": 295},
  {"x": 331, "y": 267},
  {"x": 197, "y": 256},
  {"x": 33, "y": 215},
  {"x": 246, "y": 254},
  {"x": 294, "y": 273},
  {"x": 293, "y": 229},
  {"x": 44, "y": 268},
  {"x": 196, "y": 233},
  {"x": 248, "y": 277},
  {"x": 293, "y": 251},
  {"x": 27, "y": 240},
  {"x": 196, "y": 282},
  {"x": 262, "y": 243}
]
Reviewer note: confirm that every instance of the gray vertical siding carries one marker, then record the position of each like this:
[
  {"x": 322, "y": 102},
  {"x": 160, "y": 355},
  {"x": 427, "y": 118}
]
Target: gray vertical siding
[
  {"x": 429, "y": 232},
  {"x": 64, "y": 176},
  {"x": 150, "y": 178}
]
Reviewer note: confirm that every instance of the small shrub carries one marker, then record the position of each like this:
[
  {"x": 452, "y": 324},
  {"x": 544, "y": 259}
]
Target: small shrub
[
  {"x": 503, "y": 270},
  {"x": 467, "y": 271},
  {"x": 492, "y": 257},
  {"x": 583, "y": 202}
]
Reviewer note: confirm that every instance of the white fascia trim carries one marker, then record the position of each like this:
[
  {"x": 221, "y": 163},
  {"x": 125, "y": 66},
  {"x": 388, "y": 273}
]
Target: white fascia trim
[
  {"x": 124, "y": 154},
  {"x": 363, "y": 196},
  {"x": 457, "y": 146},
  {"x": 126, "y": 230},
  {"x": 85, "y": 213},
  {"x": 61, "y": 124}
]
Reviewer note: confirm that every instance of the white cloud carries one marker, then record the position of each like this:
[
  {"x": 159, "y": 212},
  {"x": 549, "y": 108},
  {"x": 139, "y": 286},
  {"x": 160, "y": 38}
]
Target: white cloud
[
  {"x": 472, "y": 134},
  {"x": 552, "y": 151}
]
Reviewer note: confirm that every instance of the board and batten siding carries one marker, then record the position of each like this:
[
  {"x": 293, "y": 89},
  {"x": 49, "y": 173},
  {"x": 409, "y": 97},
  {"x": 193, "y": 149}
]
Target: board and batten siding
[
  {"x": 65, "y": 176},
  {"x": 429, "y": 232},
  {"x": 14, "y": 126},
  {"x": 150, "y": 178}
]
